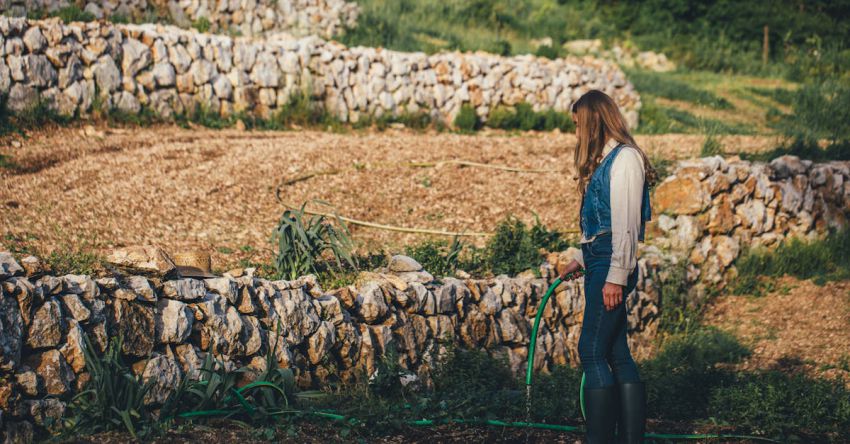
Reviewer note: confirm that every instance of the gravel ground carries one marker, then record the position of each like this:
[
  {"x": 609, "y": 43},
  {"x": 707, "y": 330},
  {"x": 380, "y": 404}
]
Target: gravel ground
[
  {"x": 215, "y": 189},
  {"x": 799, "y": 327}
]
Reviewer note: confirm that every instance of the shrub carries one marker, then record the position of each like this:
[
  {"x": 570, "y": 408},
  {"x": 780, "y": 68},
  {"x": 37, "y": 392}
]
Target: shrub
[
  {"x": 438, "y": 257},
  {"x": 514, "y": 248},
  {"x": 299, "y": 243},
  {"x": 467, "y": 120},
  {"x": 547, "y": 51}
]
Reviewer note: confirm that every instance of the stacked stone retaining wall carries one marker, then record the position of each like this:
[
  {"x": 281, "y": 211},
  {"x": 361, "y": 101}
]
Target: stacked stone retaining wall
[
  {"x": 325, "y": 18},
  {"x": 711, "y": 210},
  {"x": 79, "y": 66}
]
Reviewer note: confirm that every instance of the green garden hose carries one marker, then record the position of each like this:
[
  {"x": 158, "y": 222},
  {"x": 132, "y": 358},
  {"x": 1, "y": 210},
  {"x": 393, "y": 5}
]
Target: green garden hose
[{"x": 244, "y": 405}]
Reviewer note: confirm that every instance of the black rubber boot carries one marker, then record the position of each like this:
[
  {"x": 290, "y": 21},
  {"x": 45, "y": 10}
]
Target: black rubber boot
[
  {"x": 632, "y": 413},
  {"x": 601, "y": 409}
]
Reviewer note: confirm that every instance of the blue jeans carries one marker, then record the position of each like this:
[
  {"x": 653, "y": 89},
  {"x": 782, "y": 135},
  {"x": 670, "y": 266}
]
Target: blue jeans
[{"x": 602, "y": 347}]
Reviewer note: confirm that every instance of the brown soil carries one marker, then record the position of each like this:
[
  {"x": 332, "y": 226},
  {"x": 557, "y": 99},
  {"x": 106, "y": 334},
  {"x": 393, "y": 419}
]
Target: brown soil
[
  {"x": 215, "y": 190},
  {"x": 798, "y": 327}
]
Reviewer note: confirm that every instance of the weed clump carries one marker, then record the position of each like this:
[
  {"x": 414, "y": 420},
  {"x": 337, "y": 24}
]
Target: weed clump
[
  {"x": 822, "y": 260},
  {"x": 300, "y": 243},
  {"x": 523, "y": 117},
  {"x": 467, "y": 120}
]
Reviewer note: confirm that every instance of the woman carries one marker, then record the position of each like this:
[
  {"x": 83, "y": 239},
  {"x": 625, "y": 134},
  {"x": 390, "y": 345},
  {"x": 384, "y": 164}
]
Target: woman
[{"x": 614, "y": 176}]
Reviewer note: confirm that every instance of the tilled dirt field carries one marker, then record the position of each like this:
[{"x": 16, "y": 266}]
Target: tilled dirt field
[{"x": 215, "y": 189}]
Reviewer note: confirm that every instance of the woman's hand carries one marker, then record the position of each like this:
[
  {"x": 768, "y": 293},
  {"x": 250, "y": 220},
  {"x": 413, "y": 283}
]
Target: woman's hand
[
  {"x": 571, "y": 267},
  {"x": 612, "y": 295}
]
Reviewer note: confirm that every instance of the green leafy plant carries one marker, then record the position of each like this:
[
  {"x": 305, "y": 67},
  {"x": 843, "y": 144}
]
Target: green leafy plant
[
  {"x": 515, "y": 248},
  {"x": 438, "y": 257},
  {"x": 467, "y": 120},
  {"x": 113, "y": 399},
  {"x": 202, "y": 24},
  {"x": 300, "y": 242}
]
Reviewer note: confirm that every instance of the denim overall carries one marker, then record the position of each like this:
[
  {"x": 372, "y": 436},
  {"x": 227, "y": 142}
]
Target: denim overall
[{"x": 603, "y": 333}]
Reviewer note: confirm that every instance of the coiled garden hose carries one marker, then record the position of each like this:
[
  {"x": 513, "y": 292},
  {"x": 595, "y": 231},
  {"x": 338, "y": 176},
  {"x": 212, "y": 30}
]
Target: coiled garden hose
[{"x": 244, "y": 404}]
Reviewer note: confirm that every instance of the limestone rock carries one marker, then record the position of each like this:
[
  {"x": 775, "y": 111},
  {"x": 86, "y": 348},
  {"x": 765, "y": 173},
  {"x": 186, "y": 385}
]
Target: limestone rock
[
  {"x": 8, "y": 266},
  {"x": 685, "y": 195},
  {"x": 164, "y": 75},
  {"x": 136, "y": 323},
  {"x": 53, "y": 370},
  {"x": 75, "y": 307},
  {"x": 727, "y": 249},
  {"x": 11, "y": 332},
  {"x": 33, "y": 266},
  {"x": 372, "y": 304},
  {"x": 142, "y": 288},
  {"x": 401, "y": 264},
  {"x": 223, "y": 286},
  {"x": 142, "y": 259},
  {"x": 321, "y": 342},
  {"x": 184, "y": 289},
  {"x": 788, "y": 166},
  {"x": 28, "y": 382},
  {"x": 47, "y": 326},
  {"x": 74, "y": 346},
  {"x": 34, "y": 39},
  {"x": 107, "y": 75},
  {"x": 136, "y": 56},
  {"x": 173, "y": 321},
  {"x": 297, "y": 313},
  {"x": 165, "y": 373}
]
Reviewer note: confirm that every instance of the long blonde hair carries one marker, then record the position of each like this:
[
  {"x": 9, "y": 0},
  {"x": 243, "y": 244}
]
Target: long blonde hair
[{"x": 597, "y": 120}]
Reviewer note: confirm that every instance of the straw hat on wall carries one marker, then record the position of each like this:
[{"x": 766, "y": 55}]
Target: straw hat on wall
[{"x": 194, "y": 264}]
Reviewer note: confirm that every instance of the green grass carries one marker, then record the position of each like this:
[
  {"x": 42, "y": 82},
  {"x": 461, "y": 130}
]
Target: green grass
[
  {"x": 657, "y": 119},
  {"x": 821, "y": 260},
  {"x": 667, "y": 86},
  {"x": 782, "y": 96},
  {"x": 522, "y": 117},
  {"x": 80, "y": 258}
]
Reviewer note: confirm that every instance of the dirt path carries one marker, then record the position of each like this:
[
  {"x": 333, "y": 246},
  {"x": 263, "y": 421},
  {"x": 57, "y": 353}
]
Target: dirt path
[
  {"x": 215, "y": 189},
  {"x": 798, "y": 327}
]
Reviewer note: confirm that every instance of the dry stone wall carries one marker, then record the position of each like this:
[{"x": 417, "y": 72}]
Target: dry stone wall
[
  {"x": 712, "y": 209},
  {"x": 709, "y": 210},
  {"x": 325, "y": 18},
  {"x": 169, "y": 324},
  {"x": 170, "y": 70}
]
